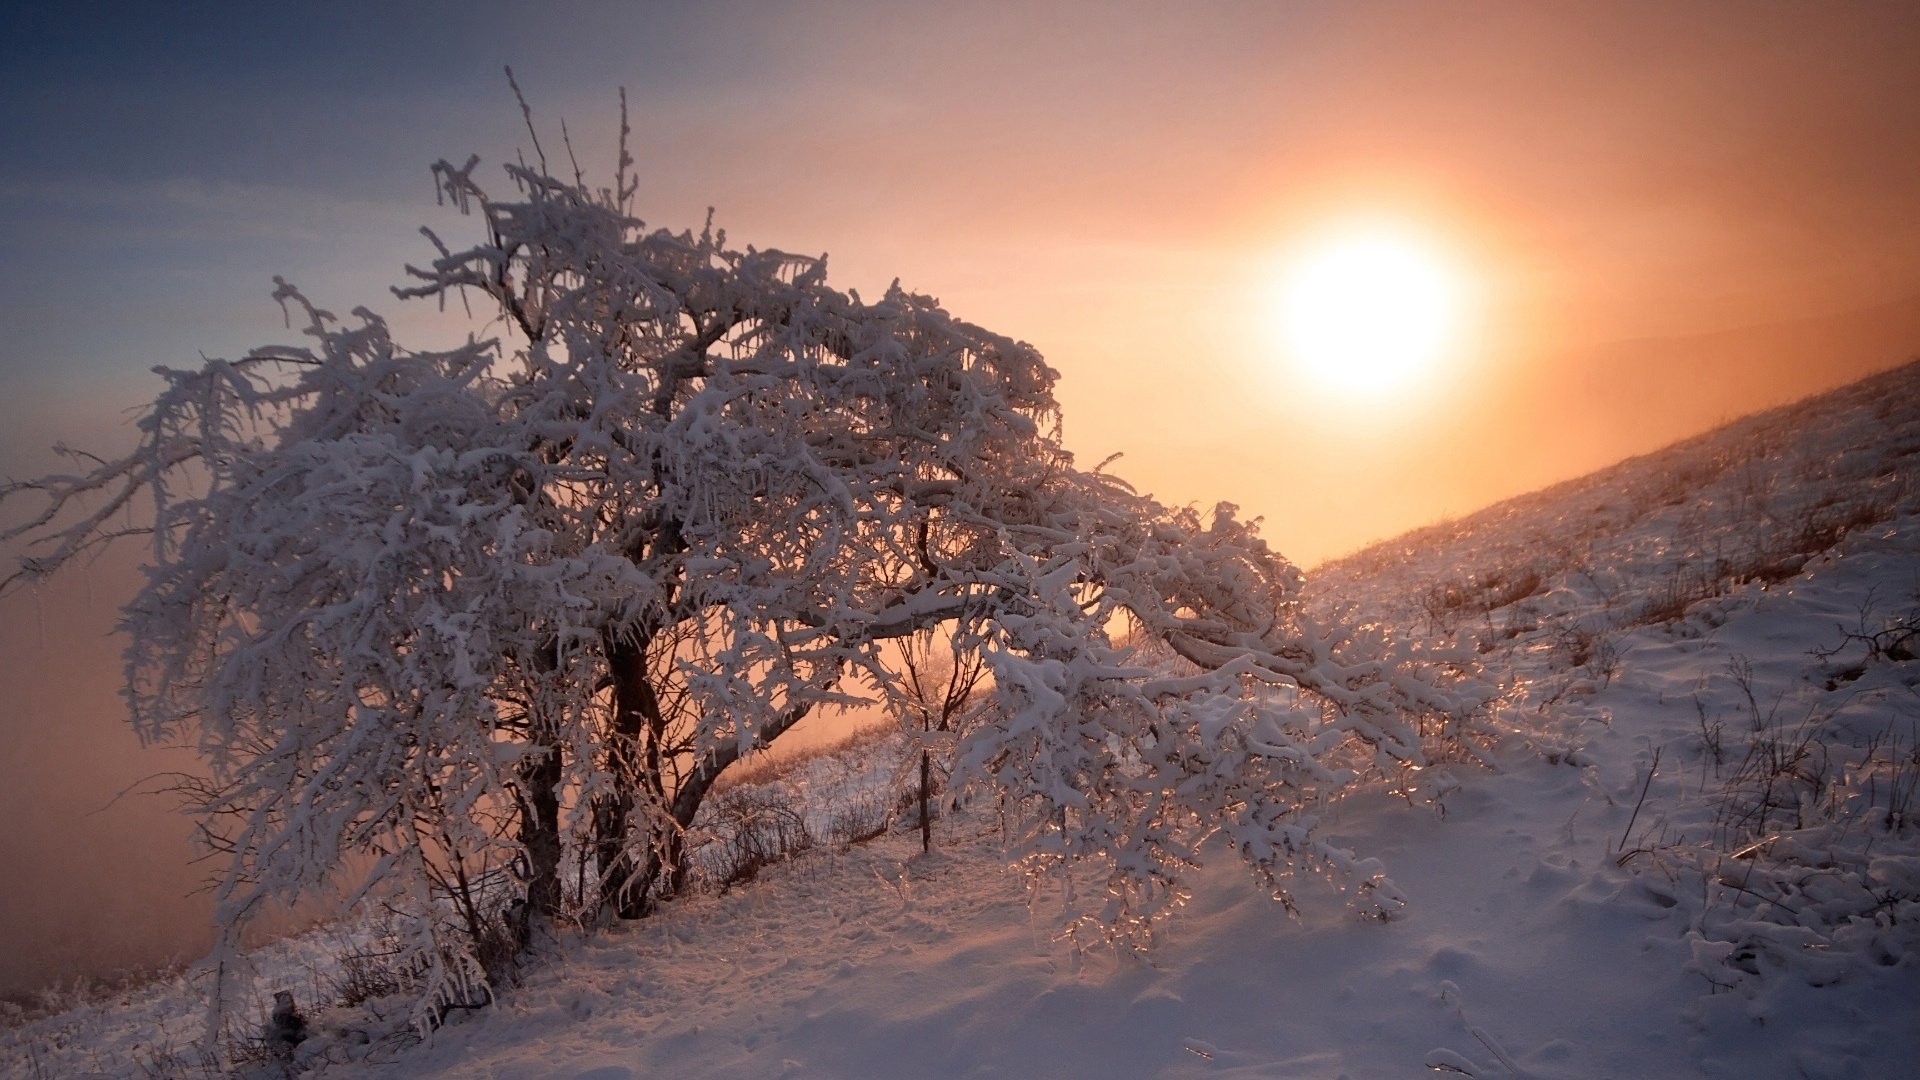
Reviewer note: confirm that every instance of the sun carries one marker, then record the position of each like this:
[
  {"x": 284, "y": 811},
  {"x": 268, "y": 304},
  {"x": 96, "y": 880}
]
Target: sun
[{"x": 1368, "y": 311}]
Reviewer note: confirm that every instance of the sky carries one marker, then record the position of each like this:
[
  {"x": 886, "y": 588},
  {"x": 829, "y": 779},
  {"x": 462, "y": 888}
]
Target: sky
[
  {"x": 1659, "y": 216},
  {"x": 1111, "y": 182}
]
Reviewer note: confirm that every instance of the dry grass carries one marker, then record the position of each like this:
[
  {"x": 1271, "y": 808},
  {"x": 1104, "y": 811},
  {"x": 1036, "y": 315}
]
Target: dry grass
[
  {"x": 774, "y": 764},
  {"x": 1448, "y": 604}
]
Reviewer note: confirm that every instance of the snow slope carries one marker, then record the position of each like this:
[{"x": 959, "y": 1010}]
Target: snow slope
[{"x": 1681, "y": 849}]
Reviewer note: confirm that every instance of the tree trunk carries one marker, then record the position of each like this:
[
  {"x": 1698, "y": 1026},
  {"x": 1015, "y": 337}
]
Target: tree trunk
[
  {"x": 630, "y": 887},
  {"x": 540, "y": 829},
  {"x": 670, "y": 854},
  {"x": 624, "y": 885},
  {"x": 926, "y": 781},
  {"x": 540, "y": 772}
]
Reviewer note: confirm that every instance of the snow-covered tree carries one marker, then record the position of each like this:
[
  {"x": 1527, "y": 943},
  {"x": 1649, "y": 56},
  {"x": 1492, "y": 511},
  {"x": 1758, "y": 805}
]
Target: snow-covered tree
[{"x": 458, "y": 622}]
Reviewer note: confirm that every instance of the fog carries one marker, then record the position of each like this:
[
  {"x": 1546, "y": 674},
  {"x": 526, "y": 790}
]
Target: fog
[{"x": 97, "y": 880}]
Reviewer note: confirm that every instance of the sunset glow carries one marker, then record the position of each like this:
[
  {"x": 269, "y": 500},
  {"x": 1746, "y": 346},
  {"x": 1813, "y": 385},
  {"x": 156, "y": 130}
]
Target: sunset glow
[{"x": 1368, "y": 312}]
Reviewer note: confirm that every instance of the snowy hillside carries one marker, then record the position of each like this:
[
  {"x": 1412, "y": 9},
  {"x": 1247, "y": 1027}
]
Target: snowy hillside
[{"x": 1685, "y": 846}]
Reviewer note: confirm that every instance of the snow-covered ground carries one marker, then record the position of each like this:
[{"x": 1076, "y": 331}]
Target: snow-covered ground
[{"x": 1694, "y": 852}]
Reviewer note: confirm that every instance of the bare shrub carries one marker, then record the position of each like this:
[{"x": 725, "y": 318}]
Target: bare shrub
[
  {"x": 1677, "y": 590},
  {"x": 1891, "y": 777},
  {"x": 1448, "y": 604},
  {"x": 1782, "y": 781},
  {"x": 1712, "y": 735},
  {"x": 1823, "y": 526},
  {"x": 907, "y": 799},
  {"x": 1772, "y": 551},
  {"x": 364, "y": 975},
  {"x": 164, "y": 1062},
  {"x": 1801, "y": 858},
  {"x": 756, "y": 827},
  {"x": 1883, "y": 638},
  {"x": 863, "y": 817},
  {"x": 1591, "y": 648}
]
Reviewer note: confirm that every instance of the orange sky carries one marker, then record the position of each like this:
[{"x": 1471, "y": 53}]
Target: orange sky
[
  {"x": 1112, "y": 191},
  {"x": 1107, "y": 181}
]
